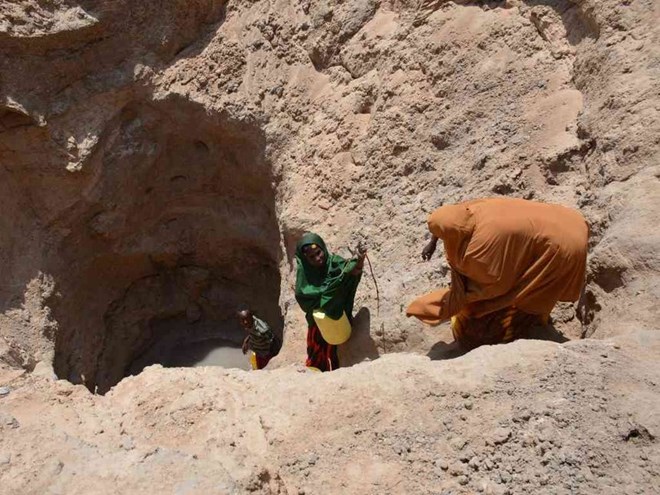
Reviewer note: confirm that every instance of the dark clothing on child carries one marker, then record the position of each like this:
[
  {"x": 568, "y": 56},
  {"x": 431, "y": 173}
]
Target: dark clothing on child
[
  {"x": 265, "y": 344},
  {"x": 261, "y": 337}
]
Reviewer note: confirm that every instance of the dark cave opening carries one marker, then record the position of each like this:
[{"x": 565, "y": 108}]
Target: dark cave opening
[{"x": 177, "y": 230}]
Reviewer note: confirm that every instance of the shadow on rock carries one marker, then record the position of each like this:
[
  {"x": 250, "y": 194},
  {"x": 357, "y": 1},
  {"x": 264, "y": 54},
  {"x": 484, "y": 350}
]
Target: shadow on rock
[
  {"x": 361, "y": 345},
  {"x": 547, "y": 332},
  {"x": 443, "y": 350}
]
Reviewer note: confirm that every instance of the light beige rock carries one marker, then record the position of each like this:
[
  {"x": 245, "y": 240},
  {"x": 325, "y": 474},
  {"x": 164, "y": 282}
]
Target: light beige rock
[{"x": 158, "y": 162}]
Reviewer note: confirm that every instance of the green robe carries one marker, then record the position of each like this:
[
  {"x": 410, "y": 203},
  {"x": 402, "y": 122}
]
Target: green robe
[{"x": 331, "y": 288}]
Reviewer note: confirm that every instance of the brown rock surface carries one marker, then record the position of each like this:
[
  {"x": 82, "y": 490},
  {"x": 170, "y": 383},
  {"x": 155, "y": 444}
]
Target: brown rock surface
[
  {"x": 158, "y": 161},
  {"x": 530, "y": 417}
]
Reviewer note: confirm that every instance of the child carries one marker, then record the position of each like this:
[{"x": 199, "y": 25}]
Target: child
[{"x": 260, "y": 338}]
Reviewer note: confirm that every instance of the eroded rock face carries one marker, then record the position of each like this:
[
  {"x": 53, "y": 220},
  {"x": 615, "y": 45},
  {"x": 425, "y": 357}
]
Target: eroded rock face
[
  {"x": 158, "y": 161},
  {"x": 139, "y": 141}
]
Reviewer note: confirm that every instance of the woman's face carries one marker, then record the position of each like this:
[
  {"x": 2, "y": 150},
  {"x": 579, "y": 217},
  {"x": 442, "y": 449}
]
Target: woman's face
[{"x": 315, "y": 256}]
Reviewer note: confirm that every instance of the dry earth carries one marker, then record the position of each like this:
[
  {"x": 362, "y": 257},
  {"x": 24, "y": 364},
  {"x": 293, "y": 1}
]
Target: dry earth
[
  {"x": 158, "y": 161},
  {"x": 531, "y": 417}
]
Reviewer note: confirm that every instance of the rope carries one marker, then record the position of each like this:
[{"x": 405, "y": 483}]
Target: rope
[{"x": 371, "y": 269}]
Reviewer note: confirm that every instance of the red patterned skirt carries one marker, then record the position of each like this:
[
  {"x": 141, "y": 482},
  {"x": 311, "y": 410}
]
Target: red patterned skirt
[{"x": 320, "y": 354}]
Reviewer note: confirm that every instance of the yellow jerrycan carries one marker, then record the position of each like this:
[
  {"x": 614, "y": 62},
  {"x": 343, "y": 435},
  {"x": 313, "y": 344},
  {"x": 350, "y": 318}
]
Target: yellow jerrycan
[
  {"x": 253, "y": 360},
  {"x": 334, "y": 332}
]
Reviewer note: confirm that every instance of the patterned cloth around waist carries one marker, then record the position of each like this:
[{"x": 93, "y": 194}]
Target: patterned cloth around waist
[{"x": 498, "y": 327}]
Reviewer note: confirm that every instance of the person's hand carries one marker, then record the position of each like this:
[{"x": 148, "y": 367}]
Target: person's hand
[
  {"x": 244, "y": 348},
  {"x": 361, "y": 250},
  {"x": 361, "y": 254},
  {"x": 429, "y": 249}
]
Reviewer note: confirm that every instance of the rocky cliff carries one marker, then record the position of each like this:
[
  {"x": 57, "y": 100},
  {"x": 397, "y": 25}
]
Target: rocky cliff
[{"x": 158, "y": 161}]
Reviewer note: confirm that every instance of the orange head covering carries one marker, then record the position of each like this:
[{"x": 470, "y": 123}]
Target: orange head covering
[{"x": 454, "y": 225}]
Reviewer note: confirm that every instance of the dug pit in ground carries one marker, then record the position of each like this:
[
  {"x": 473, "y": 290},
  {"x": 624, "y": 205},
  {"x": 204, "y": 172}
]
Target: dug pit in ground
[{"x": 176, "y": 229}]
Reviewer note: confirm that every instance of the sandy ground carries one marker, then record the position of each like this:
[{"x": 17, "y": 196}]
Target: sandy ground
[{"x": 530, "y": 417}]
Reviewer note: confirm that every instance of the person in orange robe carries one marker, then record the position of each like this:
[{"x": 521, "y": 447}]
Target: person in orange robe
[{"x": 511, "y": 260}]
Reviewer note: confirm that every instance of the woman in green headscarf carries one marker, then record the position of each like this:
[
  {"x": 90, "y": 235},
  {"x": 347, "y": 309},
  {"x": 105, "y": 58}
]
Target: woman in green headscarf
[{"x": 324, "y": 282}]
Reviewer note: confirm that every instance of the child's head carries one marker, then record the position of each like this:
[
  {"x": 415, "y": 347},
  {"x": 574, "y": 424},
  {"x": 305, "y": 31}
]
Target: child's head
[{"x": 245, "y": 318}]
